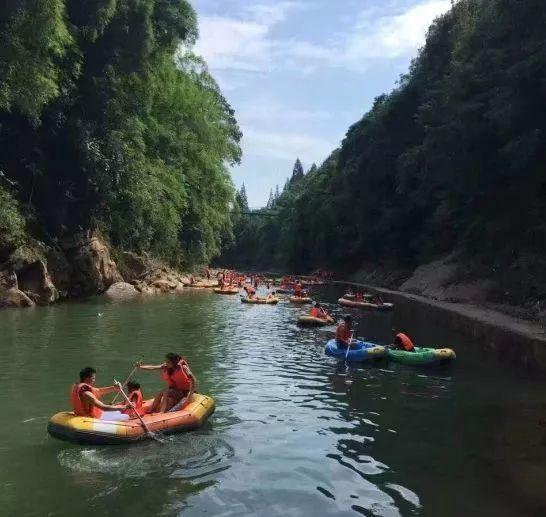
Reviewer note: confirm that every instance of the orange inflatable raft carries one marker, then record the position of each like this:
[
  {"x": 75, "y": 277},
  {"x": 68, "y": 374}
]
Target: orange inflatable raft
[
  {"x": 227, "y": 290},
  {"x": 300, "y": 300},
  {"x": 366, "y": 305},
  {"x": 260, "y": 301},
  {"x": 87, "y": 430}
]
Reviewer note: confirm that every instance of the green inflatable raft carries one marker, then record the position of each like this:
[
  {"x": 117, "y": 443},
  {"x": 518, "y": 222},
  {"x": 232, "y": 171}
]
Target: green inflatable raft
[{"x": 423, "y": 356}]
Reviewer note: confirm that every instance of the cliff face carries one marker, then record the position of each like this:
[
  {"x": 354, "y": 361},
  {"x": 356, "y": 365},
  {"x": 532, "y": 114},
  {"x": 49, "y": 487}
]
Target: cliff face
[{"x": 81, "y": 266}]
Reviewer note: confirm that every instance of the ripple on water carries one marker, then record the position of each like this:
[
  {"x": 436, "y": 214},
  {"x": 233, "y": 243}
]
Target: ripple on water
[{"x": 180, "y": 457}]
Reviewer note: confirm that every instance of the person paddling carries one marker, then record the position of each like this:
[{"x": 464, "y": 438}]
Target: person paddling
[
  {"x": 251, "y": 292},
  {"x": 298, "y": 290},
  {"x": 85, "y": 398},
  {"x": 180, "y": 384},
  {"x": 403, "y": 342},
  {"x": 319, "y": 312},
  {"x": 344, "y": 332},
  {"x": 136, "y": 398}
]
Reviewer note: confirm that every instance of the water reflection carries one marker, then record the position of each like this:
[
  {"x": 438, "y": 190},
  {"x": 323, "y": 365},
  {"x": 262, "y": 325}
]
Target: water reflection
[{"x": 294, "y": 433}]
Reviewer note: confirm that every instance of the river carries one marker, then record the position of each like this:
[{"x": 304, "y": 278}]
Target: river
[{"x": 289, "y": 436}]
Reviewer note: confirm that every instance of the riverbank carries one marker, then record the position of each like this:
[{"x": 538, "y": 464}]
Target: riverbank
[
  {"x": 513, "y": 340},
  {"x": 86, "y": 265}
]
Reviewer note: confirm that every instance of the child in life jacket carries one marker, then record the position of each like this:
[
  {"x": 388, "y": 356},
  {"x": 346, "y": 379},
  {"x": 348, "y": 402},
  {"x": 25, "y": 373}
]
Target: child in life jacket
[{"x": 136, "y": 398}]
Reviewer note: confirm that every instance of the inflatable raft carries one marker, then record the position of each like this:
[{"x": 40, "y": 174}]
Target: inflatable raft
[
  {"x": 360, "y": 352},
  {"x": 300, "y": 300},
  {"x": 87, "y": 430},
  {"x": 423, "y": 356},
  {"x": 260, "y": 301},
  {"x": 366, "y": 305},
  {"x": 229, "y": 290},
  {"x": 310, "y": 321}
]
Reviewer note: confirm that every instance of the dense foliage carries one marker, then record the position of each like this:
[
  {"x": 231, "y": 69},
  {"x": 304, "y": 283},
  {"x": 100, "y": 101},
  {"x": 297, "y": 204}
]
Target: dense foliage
[
  {"x": 453, "y": 158},
  {"x": 108, "y": 122}
]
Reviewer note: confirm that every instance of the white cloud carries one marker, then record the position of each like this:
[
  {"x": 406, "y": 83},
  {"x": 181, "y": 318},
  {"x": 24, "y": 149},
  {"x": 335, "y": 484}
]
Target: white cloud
[
  {"x": 246, "y": 42},
  {"x": 392, "y": 36},
  {"x": 243, "y": 42},
  {"x": 286, "y": 145}
]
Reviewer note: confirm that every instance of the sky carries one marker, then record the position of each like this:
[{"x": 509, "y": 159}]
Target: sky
[{"x": 299, "y": 73}]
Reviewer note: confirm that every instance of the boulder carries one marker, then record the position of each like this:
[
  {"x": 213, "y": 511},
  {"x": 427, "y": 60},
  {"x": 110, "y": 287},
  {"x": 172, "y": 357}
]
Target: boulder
[
  {"x": 121, "y": 291},
  {"x": 93, "y": 270},
  {"x": 14, "y": 298},
  {"x": 8, "y": 279},
  {"x": 132, "y": 266},
  {"x": 35, "y": 282}
]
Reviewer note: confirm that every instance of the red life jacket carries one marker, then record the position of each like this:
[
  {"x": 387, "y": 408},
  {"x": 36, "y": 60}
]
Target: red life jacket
[
  {"x": 79, "y": 407},
  {"x": 138, "y": 401},
  {"x": 136, "y": 398},
  {"x": 177, "y": 379},
  {"x": 406, "y": 342}
]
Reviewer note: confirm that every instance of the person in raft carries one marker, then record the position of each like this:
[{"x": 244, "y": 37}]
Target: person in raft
[
  {"x": 250, "y": 291},
  {"x": 136, "y": 398},
  {"x": 180, "y": 384},
  {"x": 298, "y": 290},
  {"x": 85, "y": 399},
  {"x": 403, "y": 342},
  {"x": 344, "y": 332},
  {"x": 319, "y": 312}
]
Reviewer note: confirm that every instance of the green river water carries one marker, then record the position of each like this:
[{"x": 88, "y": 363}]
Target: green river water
[{"x": 289, "y": 436}]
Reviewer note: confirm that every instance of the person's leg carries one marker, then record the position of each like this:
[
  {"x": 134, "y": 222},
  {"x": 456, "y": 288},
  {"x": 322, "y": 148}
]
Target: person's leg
[
  {"x": 156, "y": 404},
  {"x": 171, "y": 398}
]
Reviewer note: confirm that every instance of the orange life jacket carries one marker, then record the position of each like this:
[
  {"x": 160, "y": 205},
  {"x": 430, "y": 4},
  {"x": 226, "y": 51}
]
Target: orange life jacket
[
  {"x": 298, "y": 291},
  {"x": 80, "y": 407},
  {"x": 138, "y": 401},
  {"x": 343, "y": 333},
  {"x": 315, "y": 313},
  {"x": 406, "y": 342},
  {"x": 177, "y": 379}
]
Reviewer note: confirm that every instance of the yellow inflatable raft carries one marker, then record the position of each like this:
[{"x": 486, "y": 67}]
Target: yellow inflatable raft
[
  {"x": 260, "y": 301},
  {"x": 87, "y": 430}
]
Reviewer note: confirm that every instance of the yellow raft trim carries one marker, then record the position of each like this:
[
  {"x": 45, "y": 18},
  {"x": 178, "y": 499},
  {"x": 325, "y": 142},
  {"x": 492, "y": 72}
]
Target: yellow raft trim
[{"x": 66, "y": 425}]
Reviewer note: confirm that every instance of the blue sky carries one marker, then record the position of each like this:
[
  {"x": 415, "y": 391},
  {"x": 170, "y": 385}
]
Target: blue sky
[{"x": 299, "y": 72}]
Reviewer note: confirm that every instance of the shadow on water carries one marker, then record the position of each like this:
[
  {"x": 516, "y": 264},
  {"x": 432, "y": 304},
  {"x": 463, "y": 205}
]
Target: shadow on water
[{"x": 290, "y": 436}]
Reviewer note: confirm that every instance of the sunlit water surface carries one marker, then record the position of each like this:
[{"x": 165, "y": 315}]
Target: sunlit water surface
[{"x": 294, "y": 433}]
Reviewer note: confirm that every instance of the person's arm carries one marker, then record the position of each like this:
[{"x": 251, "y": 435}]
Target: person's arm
[
  {"x": 101, "y": 392},
  {"x": 90, "y": 398},
  {"x": 150, "y": 367}
]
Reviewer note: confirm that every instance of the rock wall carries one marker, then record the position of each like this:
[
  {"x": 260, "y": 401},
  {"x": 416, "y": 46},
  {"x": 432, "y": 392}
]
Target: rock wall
[{"x": 82, "y": 265}]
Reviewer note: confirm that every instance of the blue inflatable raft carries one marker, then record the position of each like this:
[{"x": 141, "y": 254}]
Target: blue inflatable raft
[{"x": 359, "y": 353}]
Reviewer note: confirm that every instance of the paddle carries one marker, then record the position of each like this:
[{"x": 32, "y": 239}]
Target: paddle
[
  {"x": 348, "y": 379},
  {"x": 149, "y": 433},
  {"x": 125, "y": 384}
]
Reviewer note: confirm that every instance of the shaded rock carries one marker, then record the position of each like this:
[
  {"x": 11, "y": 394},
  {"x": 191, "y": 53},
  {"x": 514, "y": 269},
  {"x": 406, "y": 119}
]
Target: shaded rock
[
  {"x": 14, "y": 298},
  {"x": 440, "y": 280},
  {"x": 34, "y": 280},
  {"x": 93, "y": 270},
  {"x": 121, "y": 291},
  {"x": 132, "y": 266},
  {"x": 8, "y": 280},
  {"x": 60, "y": 271}
]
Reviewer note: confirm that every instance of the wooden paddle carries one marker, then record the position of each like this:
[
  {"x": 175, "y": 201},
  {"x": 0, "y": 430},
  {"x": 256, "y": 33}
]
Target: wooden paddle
[
  {"x": 125, "y": 384},
  {"x": 149, "y": 433},
  {"x": 348, "y": 379}
]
